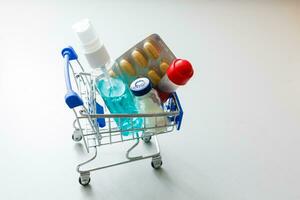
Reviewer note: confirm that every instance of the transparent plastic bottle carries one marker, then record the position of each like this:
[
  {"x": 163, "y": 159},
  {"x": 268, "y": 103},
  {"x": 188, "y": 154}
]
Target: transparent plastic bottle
[
  {"x": 115, "y": 94},
  {"x": 119, "y": 99},
  {"x": 149, "y": 102}
]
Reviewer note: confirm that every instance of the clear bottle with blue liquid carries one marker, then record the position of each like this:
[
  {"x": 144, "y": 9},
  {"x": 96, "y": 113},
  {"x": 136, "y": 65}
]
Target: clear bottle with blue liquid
[{"x": 115, "y": 94}]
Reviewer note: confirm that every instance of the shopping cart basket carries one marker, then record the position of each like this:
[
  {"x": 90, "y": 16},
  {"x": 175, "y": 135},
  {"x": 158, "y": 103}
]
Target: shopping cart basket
[{"x": 96, "y": 127}]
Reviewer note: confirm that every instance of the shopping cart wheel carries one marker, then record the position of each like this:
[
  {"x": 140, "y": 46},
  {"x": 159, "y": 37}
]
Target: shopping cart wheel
[
  {"x": 156, "y": 162},
  {"x": 146, "y": 139},
  {"x": 76, "y": 136},
  {"x": 84, "y": 180}
]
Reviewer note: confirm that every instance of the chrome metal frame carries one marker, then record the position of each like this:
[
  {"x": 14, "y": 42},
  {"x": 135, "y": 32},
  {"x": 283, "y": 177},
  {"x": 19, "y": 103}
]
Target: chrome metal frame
[{"x": 87, "y": 129}]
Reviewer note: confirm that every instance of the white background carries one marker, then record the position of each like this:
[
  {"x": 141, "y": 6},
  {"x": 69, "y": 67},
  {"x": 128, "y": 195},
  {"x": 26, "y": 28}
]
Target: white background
[{"x": 240, "y": 136}]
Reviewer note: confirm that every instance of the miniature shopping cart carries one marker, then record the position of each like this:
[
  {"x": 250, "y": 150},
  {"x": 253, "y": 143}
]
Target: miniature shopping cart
[{"x": 96, "y": 128}]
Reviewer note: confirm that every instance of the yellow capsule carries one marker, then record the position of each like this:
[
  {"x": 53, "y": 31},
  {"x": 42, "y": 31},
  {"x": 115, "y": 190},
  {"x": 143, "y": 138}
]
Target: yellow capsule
[
  {"x": 154, "y": 77},
  {"x": 151, "y": 50},
  {"x": 127, "y": 67},
  {"x": 112, "y": 73},
  {"x": 163, "y": 67},
  {"x": 139, "y": 58}
]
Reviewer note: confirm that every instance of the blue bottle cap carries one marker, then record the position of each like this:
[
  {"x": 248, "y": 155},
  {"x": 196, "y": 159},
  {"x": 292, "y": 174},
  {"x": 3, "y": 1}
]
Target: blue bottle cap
[{"x": 140, "y": 86}]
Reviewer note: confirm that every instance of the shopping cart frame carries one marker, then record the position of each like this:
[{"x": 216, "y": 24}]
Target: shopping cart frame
[{"x": 84, "y": 107}]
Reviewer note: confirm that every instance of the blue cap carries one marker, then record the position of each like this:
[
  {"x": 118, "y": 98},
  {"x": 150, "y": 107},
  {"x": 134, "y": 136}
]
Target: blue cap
[{"x": 140, "y": 86}]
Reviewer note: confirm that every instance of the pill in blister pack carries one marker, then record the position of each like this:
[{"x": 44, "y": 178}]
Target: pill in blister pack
[
  {"x": 151, "y": 50},
  {"x": 139, "y": 58},
  {"x": 127, "y": 67},
  {"x": 163, "y": 67},
  {"x": 148, "y": 58}
]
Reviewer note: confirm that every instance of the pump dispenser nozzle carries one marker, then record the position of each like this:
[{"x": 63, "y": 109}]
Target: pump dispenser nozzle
[{"x": 94, "y": 50}]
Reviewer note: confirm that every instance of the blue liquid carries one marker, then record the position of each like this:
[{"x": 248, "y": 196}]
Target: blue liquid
[{"x": 119, "y": 99}]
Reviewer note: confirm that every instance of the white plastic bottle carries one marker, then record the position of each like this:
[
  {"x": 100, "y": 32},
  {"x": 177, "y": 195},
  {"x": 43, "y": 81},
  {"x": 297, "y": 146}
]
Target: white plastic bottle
[
  {"x": 148, "y": 102},
  {"x": 93, "y": 49}
]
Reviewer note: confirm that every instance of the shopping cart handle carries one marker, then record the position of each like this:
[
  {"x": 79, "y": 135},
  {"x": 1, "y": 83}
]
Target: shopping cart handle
[
  {"x": 178, "y": 118},
  {"x": 72, "y": 99}
]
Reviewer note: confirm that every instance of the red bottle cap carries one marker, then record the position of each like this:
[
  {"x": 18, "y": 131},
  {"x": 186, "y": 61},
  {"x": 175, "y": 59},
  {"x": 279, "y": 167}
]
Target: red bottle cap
[{"x": 180, "y": 71}]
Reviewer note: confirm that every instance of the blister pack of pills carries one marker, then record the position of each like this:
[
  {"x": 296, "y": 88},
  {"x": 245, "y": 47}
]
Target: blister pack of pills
[{"x": 148, "y": 58}]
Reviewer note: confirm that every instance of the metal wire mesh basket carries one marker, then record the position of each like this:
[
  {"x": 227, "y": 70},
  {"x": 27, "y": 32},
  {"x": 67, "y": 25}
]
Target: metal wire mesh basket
[{"x": 86, "y": 124}]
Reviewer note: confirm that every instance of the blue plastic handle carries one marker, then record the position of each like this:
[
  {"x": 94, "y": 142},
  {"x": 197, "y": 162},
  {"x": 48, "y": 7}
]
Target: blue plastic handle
[
  {"x": 178, "y": 118},
  {"x": 172, "y": 107},
  {"x": 100, "y": 110},
  {"x": 72, "y": 99}
]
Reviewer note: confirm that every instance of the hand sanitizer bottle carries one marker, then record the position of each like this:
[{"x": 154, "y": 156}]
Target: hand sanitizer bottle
[{"x": 115, "y": 94}]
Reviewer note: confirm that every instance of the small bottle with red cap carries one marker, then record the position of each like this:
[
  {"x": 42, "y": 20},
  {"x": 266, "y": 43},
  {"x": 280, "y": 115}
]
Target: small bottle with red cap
[{"x": 178, "y": 74}]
